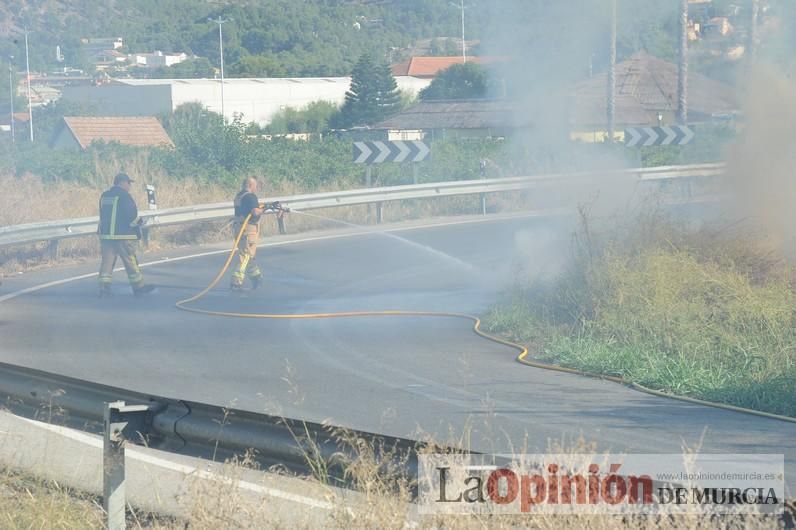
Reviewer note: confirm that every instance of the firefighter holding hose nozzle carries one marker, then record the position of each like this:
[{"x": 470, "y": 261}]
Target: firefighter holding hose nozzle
[{"x": 247, "y": 205}]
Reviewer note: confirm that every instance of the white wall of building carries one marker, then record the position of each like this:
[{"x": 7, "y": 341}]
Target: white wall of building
[
  {"x": 259, "y": 99},
  {"x": 171, "y": 59},
  {"x": 157, "y": 59}
]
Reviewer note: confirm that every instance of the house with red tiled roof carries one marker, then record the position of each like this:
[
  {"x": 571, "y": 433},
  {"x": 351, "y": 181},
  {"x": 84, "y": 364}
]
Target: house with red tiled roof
[
  {"x": 429, "y": 67},
  {"x": 137, "y": 131},
  {"x": 646, "y": 95}
]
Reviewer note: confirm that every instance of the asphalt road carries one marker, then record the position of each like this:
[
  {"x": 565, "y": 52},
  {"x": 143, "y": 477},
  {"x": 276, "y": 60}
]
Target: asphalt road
[{"x": 396, "y": 375}]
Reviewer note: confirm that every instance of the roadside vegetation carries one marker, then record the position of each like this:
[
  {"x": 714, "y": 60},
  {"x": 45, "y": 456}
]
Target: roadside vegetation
[
  {"x": 27, "y": 502},
  {"x": 211, "y": 152},
  {"x": 705, "y": 314},
  {"x": 210, "y": 159},
  {"x": 381, "y": 497}
]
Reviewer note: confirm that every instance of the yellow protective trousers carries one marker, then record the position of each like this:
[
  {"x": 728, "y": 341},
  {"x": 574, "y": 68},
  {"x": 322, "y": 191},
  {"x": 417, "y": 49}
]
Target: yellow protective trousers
[
  {"x": 247, "y": 252},
  {"x": 124, "y": 249}
]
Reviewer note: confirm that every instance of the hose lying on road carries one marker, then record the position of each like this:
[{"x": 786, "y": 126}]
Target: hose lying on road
[{"x": 521, "y": 358}]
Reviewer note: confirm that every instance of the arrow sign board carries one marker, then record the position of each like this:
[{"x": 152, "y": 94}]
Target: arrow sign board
[
  {"x": 658, "y": 136},
  {"x": 398, "y": 151}
]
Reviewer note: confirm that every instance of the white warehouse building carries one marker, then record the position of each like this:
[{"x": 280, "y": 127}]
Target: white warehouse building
[{"x": 253, "y": 99}]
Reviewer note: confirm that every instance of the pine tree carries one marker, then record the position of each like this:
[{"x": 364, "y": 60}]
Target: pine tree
[
  {"x": 389, "y": 98},
  {"x": 360, "y": 100},
  {"x": 373, "y": 94}
]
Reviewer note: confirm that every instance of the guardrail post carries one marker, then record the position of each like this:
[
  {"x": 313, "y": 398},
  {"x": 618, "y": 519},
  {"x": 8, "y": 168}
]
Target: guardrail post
[
  {"x": 145, "y": 237},
  {"x": 378, "y": 212},
  {"x": 483, "y": 204},
  {"x": 280, "y": 221},
  {"x": 369, "y": 183},
  {"x": 52, "y": 249},
  {"x": 685, "y": 188},
  {"x": 122, "y": 422}
]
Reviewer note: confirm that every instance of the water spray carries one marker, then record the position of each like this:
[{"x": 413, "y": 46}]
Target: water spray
[{"x": 438, "y": 253}]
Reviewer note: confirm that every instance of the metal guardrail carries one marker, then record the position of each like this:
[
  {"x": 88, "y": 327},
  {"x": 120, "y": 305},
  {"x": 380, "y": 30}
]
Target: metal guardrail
[
  {"x": 57, "y": 230},
  {"x": 197, "y": 429}
]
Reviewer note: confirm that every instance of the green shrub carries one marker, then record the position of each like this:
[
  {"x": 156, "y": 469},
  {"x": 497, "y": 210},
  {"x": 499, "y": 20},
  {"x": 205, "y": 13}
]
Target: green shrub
[{"x": 671, "y": 310}]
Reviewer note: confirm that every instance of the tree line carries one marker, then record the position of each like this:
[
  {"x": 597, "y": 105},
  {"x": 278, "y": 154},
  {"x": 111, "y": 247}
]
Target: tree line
[
  {"x": 267, "y": 38},
  {"x": 283, "y": 38}
]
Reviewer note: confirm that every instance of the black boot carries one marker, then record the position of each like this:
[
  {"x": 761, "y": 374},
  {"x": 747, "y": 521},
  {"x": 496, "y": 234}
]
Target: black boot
[{"x": 144, "y": 289}]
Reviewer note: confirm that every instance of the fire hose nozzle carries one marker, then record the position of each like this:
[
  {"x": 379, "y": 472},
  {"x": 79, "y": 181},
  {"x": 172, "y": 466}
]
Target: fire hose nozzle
[{"x": 275, "y": 206}]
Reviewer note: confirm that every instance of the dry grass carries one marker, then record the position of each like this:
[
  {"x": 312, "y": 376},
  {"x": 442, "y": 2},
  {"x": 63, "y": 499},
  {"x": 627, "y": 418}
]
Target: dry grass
[
  {"x": 383, "y": 499},
  {"x": 27, "y": 199},
  {"x": 68, "y": 200},
  {"x": 222, "y": 504},
  {"x": 386, "y": 501},
  {"x": 27, "y": 502}
]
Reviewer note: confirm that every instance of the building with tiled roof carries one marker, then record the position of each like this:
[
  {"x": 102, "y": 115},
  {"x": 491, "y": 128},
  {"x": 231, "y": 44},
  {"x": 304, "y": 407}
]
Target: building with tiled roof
[
  {"x": 649, "y": 84},
  {"x": 138, "y": 131},
  {"x": 647, "y": 95},
  {"x": 429, "y": 67},
  {"x": 457, "y": 118}
]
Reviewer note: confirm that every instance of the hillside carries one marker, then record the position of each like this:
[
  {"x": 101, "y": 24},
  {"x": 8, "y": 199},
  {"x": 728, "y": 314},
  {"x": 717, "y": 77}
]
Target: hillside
[
  {"x": 284, "y": 38},
  {"x": 262, "y": 37}
]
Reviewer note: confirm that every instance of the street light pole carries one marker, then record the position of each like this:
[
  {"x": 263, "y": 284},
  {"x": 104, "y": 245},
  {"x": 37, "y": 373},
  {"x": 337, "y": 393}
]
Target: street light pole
[
  {"x": 682, "y": 76},
  {"x": 221, "y": 21},
  {"x": 612, "y": 77},
  {"x": 11, "y": 97},
  {"x": 753, "y": 31},
  {"x": 27, "y": 66},
  {"x": 464, "y": 42},
  {"x": 464, "y": 45}
]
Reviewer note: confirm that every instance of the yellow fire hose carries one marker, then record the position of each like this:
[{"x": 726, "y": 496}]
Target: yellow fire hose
[{"x": 521, "y": 358}]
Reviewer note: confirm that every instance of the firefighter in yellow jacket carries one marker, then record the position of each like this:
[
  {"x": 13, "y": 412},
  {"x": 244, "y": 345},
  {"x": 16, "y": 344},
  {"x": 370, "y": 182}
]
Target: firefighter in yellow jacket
[
  {"x": 246, "y": 203},
  {"x": 119, "y": 232}
]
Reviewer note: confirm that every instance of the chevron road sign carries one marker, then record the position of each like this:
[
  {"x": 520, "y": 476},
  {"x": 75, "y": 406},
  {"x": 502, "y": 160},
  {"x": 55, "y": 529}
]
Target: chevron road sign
[
  {"x": 657, "y": 136},
  {"x": 398, "y": 151}
]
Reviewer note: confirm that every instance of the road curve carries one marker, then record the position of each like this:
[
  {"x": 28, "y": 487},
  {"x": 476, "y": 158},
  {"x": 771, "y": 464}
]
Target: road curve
[{"x": 396, "y": 375}]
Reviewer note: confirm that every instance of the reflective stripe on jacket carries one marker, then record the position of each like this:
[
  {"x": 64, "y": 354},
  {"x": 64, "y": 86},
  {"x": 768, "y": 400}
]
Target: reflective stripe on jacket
[{"x": 118, "y": 215}]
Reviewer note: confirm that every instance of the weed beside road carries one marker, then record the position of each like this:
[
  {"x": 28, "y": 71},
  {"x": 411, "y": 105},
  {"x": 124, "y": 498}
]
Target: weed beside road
[
  {"x": 69, "y": 200},
  {"x": 30, "y": 502},
  {"x": 710, "y": 315}
]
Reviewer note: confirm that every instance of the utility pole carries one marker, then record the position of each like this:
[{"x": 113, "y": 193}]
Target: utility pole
[
  {"x": 682, "y": 85},
  {"x": 221, "y": 21},
  {"x": 11, "y": 97},
  {"x": 612, "y": 77},
  {"x": 753, "y": 31},
  {"x": 464, "y": 45},
  {"x": 27, "y": 66}
]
